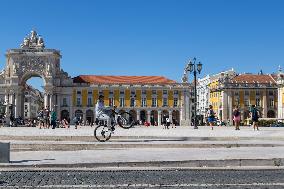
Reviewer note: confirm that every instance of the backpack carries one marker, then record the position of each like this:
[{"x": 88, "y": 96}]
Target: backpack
[
  {"x": 211, "y": 113},
  {"x": 236, "y": 113},
  {"x": 254, "y": 113}
]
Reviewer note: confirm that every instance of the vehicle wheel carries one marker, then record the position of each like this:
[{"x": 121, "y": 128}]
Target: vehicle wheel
[
  {"x": 124, "y": 120},
  {"x": 102, "y": 133}
]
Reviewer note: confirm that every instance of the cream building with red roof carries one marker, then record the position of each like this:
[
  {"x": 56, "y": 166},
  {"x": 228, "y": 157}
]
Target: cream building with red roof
[{"x": 245, "y": 90}]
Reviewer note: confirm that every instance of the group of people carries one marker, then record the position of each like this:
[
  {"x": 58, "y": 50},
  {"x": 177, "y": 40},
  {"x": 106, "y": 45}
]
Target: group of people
[
  {"x": 254, "y": 114},
  {"x": 47, "y": 118}
]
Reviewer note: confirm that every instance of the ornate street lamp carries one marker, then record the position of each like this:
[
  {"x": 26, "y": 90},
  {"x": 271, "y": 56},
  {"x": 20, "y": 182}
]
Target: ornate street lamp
[{"x": 193, "y": 67}]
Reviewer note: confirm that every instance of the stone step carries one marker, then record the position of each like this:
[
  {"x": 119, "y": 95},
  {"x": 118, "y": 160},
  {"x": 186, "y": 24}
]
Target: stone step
[
  {"x": 134, "y": 138},
  {"x": 76, "y": 147}
]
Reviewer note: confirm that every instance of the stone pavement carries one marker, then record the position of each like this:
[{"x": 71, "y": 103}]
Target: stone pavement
[{"x": 145, "y": 147}]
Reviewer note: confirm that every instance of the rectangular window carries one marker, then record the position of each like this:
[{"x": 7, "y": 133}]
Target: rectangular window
[
  {"x": 237, "y": 101},
  {"x": 110, "y": 101},
  {"x": 154, "y": 92},
  {"x": 176, "y": 92},
  {"x": 236, "y": 93},
  {"x": 154, "y": 102},
  {"x": 257, "y": 93},
  {"x": 270, "y": 93},
  {"x": 246, "y": 101},
  {"x": 165, "y": 101},
  {"x": 133, "y": 92},
  {"x": 90, "y": 92},
  {"x": 257, "y": 102},
  {"x": 132, "y": 102},
  {"x": 144, "y": 102},
  {"x": 175, "y": 102},
  {"x": 271, "y": 102},
  {"x": 64, "y": 102},
  {"x": 121, "y": 102},
  {"x": 110, "y": 92},
  {"x": 246, "y": 93},
  {"x": 90, "y": 101},
  {"x": 78, "y": 101},
  {"x": 78, "y": 92},
  {"x": 121, "y": 92},
  {"x": 144, "y": 92},
  {"x": 165, "y": 92},
  {"x": 26, "y": 107}
]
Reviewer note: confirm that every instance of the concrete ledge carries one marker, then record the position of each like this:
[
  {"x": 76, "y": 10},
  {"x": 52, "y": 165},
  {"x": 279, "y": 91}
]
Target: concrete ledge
[
  {"x": 4, "y": 152},
  {"x": 226, "y": 163}
]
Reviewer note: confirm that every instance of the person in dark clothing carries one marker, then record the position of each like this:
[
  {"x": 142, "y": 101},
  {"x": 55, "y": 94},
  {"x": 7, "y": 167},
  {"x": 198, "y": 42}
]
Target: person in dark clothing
[{"x": 254, "y": 117}]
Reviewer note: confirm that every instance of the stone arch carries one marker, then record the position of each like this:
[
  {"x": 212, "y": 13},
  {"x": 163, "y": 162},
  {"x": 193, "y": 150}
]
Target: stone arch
[
  {"x": 90, "y": 116},
  {"x": 154, "y": 117},
  {"x": 64, "y": 115},
  {"x": 271, "y": 114},
  {"x": 133, "y": 115},
  {"x": 165, "y": 115},
  {"x": 143, "y": 116},
  {"x": 79, "y": 113},
  {"x": 176, "y": 117}
]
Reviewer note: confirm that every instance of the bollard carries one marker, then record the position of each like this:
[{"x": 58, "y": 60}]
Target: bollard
[{"x": 4, "y": 152}]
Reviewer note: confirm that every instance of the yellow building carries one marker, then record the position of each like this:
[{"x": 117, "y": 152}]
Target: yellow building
[
  {"x": 146, "y": 98},
  {"x": 243, "y": 91}
]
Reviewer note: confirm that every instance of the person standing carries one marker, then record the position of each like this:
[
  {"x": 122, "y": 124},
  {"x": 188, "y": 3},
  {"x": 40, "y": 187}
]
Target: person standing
[
  {"x": 237, "y": 117},
  {"x": 53, "y": 119},
  {"x": 168, "y": 122},
  {"x": 254, "y": 117},
  {"x": 211, "y": 116}
]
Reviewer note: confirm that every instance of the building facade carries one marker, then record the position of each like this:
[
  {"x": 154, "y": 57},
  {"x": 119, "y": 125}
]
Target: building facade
[
  {"x": 243, "y": 91},
  {"x": 147, "y": 98},
  {"x": 203, "y": 93}
]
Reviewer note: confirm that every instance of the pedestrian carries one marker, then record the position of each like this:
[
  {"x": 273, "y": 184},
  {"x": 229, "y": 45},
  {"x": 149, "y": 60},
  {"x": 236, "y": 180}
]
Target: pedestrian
[
  {"x": 76, "y": 121},
  {"x": 211, "y": 116},
  {"x": 254, "y": 117},
  {"x": 53, "y": 119},
  {"x": 237, "y": 117},
  {"x": 168, "y": 122}
]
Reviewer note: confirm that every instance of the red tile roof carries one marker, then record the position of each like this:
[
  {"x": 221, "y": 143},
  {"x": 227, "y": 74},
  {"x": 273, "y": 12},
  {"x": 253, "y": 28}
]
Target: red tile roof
[
  {"x": 251, "y": 78},
  {"x": 99, "y": 79}
]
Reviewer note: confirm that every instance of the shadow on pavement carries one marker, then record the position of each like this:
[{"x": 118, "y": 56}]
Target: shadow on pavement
[{"x": 25, "y": 161}]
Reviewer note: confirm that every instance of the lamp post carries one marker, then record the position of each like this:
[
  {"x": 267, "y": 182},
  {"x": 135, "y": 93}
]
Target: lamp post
[{"x": 192, "y": 67}]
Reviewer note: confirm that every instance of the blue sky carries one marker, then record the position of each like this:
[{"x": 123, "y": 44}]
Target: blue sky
[{"x": 151, "y": 37}]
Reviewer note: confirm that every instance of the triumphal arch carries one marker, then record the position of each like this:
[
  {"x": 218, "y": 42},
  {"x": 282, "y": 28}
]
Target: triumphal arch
[{"x": 32, "y": 59}]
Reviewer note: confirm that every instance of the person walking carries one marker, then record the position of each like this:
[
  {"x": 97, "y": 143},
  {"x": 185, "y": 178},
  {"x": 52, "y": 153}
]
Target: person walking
[
  {"x": 53, "y": 118},
  {"x": 254, "y": 117},
  {"x": 168, "y": 122},
  {"x": 211, "y": 116},
  {"x": 237, "y": 118}
]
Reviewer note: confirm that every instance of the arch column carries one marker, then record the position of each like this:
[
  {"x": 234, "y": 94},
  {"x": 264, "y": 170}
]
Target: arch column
[
  {"x": 138, "y": 115},
  {"x": 148, "y": 116},
  {"x": 159, "y": 117},
  {"x": 171, "y": 116},
  {"x": 45, "y": 100}
]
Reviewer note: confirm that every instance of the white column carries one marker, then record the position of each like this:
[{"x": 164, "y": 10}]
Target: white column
[
  {"x": 159, "y": 117},
  {"x": 224, "y": 106},
  {"x": 264, "y": 104},
  {"x": 148, "y": 116},
  {"x": 171, "y": 116},
  {"x": 230, "y": 107},
  {"x": 15, "y": 105},
  {"x": 51, "y": 102},
  {"x": 138, "y": 115},
  {"x": 57, "y": 97},
  {"x": 45, "y": 100}
]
